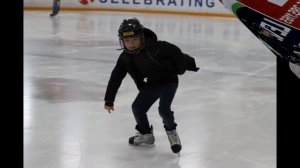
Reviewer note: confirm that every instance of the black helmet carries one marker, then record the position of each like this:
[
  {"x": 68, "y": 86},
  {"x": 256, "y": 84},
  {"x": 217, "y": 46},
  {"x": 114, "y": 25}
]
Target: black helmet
[{"x": 131, "y": 28}]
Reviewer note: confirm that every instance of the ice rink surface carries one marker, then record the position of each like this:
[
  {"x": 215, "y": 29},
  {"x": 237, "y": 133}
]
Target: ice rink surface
[{"x": 226, "y": 112}]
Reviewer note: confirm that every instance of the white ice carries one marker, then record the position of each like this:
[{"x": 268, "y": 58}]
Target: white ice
[{"x": 226, "y": 112}]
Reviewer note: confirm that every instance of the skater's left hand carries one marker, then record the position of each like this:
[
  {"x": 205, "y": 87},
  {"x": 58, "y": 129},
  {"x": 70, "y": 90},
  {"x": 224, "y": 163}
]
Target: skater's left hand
[{"x": 109, "y": 106}]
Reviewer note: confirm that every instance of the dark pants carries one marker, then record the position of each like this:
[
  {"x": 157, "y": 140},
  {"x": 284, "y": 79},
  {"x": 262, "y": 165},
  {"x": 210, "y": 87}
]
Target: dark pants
[
  {"x": 146, "y": 98},
  {"x": 56, "y": 6}
]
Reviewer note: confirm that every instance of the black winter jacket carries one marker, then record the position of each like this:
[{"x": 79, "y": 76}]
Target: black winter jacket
[{"x": 158, "y": 63}]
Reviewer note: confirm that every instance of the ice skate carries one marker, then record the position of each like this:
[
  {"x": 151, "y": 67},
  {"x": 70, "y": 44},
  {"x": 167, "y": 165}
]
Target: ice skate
[
  {"x": 53, "y": 14},
  {"x": 142, "y": 139},
  {"x": 174, "y": 141}
]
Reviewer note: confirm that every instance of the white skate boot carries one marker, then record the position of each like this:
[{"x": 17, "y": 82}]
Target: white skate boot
[
  {"x": 142, "y": 139},
  {"x": 174, "y": 141}
]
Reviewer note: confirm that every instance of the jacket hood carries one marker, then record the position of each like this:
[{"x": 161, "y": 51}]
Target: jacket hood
[{"x": 149, "y": 34}]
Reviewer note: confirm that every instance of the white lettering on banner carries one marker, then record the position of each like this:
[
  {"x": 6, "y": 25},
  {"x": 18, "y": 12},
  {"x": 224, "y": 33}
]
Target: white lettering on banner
[
  {"x": 295, "y": 10},
  {"x": 190, "y": 3},
  {"x": 277, "y": 30},
  {"x": 292, "y": 14},
  {"x": 278, "y": 2},
  {"x": 288, "y": 18}
]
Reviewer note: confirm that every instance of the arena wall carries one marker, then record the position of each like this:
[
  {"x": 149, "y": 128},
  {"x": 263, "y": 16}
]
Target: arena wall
[{"x": 192, "y": 7}]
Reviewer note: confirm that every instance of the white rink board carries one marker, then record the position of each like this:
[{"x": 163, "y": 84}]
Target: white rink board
[{"x": 194, "y": 6}]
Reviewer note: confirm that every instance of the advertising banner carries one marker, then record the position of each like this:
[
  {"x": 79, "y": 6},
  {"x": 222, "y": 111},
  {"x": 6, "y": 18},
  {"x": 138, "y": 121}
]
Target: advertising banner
[
  {"x": 275, "y": 22},
  {"x": 190, "y": 6}
]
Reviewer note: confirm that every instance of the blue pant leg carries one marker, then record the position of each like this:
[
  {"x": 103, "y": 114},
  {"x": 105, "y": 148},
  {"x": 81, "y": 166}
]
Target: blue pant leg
[
  {"x": 142, "y": 103},
  {"x": 167, "y": 94},
  {"x": 56, "y": 7}
]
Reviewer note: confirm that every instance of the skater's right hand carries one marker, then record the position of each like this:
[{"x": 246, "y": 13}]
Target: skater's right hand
[{"x": 109, "y": 106}]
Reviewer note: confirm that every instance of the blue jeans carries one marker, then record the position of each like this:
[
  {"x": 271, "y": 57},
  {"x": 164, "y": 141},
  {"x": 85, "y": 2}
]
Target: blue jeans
[{"x": 146, "y": 98}]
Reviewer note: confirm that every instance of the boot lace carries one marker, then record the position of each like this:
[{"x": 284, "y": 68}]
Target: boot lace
[{"x": 173, "y": 137}]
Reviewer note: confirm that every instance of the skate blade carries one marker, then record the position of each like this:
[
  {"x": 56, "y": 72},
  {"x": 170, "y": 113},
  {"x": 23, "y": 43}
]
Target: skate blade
[{"x": 143, "y": 145}]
